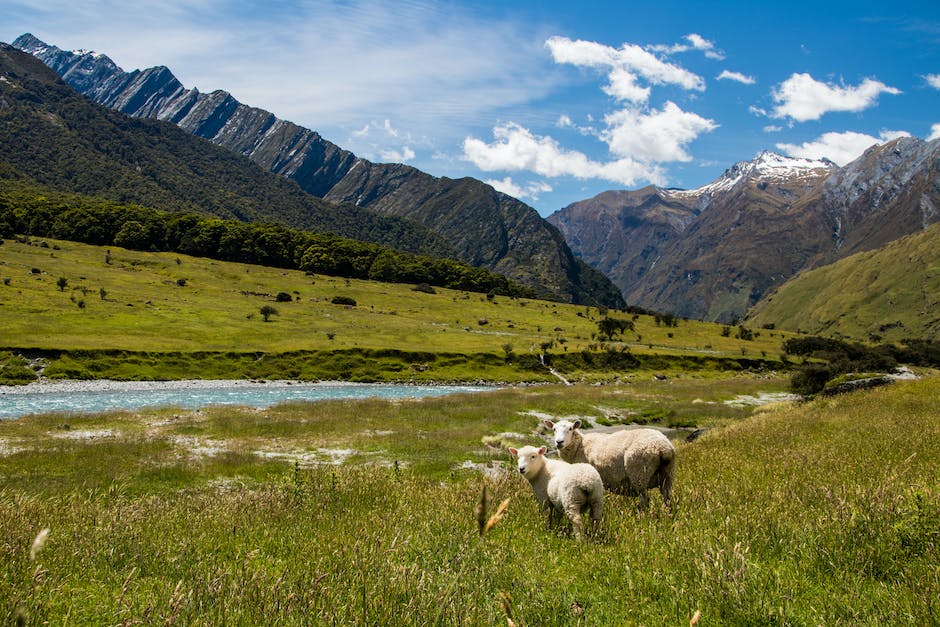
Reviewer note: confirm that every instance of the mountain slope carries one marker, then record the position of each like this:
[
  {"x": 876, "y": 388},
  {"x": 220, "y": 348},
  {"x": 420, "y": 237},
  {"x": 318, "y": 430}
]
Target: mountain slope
[
  {"x": 890, "y": 293},
  {"x": 482, "y": 226},
  {"x": 760, "y": 223},
  {"x": 77, "y": 146}
]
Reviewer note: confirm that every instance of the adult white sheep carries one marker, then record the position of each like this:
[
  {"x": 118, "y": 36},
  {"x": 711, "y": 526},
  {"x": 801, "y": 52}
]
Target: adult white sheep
[
  {"x": 630, "y": 461},
  {"x": 560, "y": 487}
]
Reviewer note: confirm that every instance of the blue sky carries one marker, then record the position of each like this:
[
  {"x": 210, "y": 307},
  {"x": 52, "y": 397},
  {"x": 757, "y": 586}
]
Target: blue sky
[{"x": 552, "y": 102}]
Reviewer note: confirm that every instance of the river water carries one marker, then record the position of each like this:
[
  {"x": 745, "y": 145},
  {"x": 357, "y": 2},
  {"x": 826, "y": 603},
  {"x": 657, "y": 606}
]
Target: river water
[{"x": 98, "y": 396}]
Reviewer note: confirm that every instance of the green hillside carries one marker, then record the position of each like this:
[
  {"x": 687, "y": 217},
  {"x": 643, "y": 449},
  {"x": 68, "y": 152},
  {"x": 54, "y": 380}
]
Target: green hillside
[
  {"x": 59, "y": 295},
  {"x": 891, "y": 293}
]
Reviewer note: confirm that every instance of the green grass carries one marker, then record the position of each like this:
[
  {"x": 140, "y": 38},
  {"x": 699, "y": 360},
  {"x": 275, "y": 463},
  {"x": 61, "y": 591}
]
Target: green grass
[
  {"x": 145, "y": 310},
  {"x": 824, "y": 512},
  {"x": 895, "y": 294}
]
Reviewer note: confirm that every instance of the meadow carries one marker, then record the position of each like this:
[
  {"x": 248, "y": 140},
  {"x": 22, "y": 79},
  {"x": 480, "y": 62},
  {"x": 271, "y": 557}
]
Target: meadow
[
  {"x": 118, "y": 313},
  {"x": 368, "y": 512}
]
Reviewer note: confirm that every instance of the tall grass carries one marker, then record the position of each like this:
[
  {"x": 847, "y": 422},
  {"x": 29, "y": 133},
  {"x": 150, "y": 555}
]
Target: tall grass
[{"x": 821, "y": 513}]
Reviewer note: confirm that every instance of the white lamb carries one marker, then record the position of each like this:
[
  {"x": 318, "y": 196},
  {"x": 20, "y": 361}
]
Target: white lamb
[
  {"x": 569, "y": 489},
  {"x": 630, "y": 461}
]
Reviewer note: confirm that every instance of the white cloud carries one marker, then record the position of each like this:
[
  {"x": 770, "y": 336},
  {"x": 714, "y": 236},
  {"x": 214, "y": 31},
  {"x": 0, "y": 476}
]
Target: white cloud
[
  {"x": 700, "y": 43},
  {"x": 657, "y": 136},
  {"x": 398, "y": 155},
  {"x": 803, "y": 98},
  {"x": 736, "y": 76},
  {"x": 516, "y": 148},
  {"x": 531, "y": 189},
  {"x": 639, "y": 138},
  {"x": 625, "y": 67},
  {"x": 934, "y": 132},
  {"x": 840, "y": 148},
  {"x": 696, "y": 42},
  {"x": 933, "y": 80}
]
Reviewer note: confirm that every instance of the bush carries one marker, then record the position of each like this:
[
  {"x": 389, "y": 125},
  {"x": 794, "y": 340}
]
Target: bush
[
  {"x": 810, "y": 379},
  {"x": 283, "y": 297},
  {"x": 344, "y": 300}
]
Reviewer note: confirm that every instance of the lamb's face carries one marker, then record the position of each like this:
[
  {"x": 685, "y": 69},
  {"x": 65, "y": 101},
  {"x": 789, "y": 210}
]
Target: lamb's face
[
  {"x": 564, "y": 430},
  {"x": 529, "y": 459}
]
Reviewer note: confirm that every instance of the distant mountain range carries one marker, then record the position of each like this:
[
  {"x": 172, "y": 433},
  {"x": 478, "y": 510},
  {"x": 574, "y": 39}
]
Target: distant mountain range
[
  {"x": 481, "y": 226},
  {"x": 714, "y": 252}
]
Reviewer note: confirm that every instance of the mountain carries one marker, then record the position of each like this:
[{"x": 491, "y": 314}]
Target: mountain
[
  {"x": 482, "y": 226},
  {"x": 60, "y": 139},
  {"x": 713, "y": 252},
  {"x": 894, "y": 294}
]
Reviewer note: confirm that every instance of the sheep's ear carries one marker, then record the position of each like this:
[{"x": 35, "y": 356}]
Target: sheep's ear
[
  {"x": 542, "y": 450},
  {"x": 513, "y": 452},
  {"x": 577, "y": 424},
  {"x": 549, "y": 424}
]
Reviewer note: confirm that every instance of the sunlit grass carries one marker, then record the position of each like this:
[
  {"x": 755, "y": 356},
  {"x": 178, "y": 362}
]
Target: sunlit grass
[
  {"x": 167, "y": 302},
  {"x": 823, "y": 512}
]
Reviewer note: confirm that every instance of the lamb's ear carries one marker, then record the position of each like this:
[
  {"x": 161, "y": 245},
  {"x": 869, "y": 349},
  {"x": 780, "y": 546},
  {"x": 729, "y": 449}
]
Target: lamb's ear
[
  {"x": 549, "y": 424},
  {"x": 513, "y": 452},
  {"x": 577, "y": 424},
  {"x": 542, "y": 450}
]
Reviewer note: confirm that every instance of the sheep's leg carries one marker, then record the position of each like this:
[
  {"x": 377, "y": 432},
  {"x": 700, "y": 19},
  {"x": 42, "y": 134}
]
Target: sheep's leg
[
  {"x": 644, "y": 500},
  {"x": 665, "y": 489},
  {"x": 597, "y": 510},
  {"x": 577, "y": 523}
]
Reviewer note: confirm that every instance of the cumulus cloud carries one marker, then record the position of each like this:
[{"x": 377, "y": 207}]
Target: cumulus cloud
[
  {"x": 656, "y": 136},
  {"x": 934, "y": 132},
  {"x": 933, "y": 80},
  {"x": 517, "y": 148},
  {"x": 736, "y": 76},
  {"x": 531, "y": 189},
  {"x": 802, "y": 98},
  {"x": 639, "y": 138},
  {"x": 840, "y": 148},
  {"x": 625, "y": 66}
]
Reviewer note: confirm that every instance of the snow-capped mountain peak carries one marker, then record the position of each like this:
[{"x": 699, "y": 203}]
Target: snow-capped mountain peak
[{"x": 766, "y": 166}]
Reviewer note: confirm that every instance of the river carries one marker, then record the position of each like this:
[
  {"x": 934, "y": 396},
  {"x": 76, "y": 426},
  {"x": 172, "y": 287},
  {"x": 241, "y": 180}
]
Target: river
[{"x": 98, "y": 396}]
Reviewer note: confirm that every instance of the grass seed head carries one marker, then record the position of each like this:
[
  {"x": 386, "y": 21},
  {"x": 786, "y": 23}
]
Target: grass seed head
[{"x": 38, "y": 543}]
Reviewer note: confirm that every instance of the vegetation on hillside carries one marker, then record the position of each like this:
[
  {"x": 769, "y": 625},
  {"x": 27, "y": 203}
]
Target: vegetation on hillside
[
  {"x": 829, "y": 359},
  {"x": 887, "y": 294},
  {"x": 32, "y": 210},
  {"x": 823, "y": 513}
]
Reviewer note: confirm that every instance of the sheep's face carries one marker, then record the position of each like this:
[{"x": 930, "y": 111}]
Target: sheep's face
[
  {"x": 564, "y": 432},
  {"x": 529, "y": 459}
]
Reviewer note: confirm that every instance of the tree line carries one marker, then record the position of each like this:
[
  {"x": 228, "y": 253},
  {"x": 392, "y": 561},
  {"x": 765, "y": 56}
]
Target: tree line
[{"x": 42, "y": 213}]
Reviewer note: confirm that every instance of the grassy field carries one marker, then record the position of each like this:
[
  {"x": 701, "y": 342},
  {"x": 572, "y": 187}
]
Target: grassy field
[
  {"x": 60, "y": 295},
  {"x": 822, "y": 513}
]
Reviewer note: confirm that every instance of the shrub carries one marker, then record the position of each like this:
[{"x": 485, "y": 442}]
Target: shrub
[
  {"x": 344, "y": 300},
  {"x": 283, "y": 297},
  {"x": 267, "y": 311}
]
